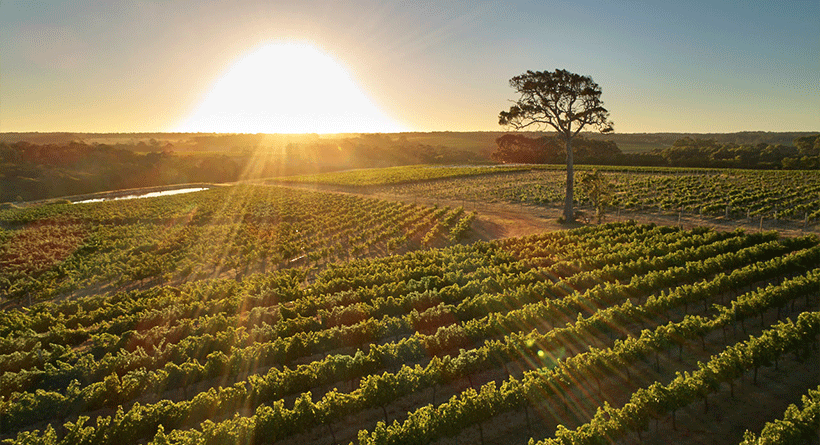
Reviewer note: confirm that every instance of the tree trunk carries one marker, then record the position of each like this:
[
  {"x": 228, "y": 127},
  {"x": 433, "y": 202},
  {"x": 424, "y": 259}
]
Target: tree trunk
[{"x": 569, "y": 216}]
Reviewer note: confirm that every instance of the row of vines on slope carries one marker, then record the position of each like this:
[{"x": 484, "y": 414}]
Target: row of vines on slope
[
  {"x": 269, "y": 357},
  {"x": 54, "y": 250}
]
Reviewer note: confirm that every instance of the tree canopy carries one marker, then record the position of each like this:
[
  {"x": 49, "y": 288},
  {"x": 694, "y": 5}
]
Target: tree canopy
[{"x": 564, "y": 101}]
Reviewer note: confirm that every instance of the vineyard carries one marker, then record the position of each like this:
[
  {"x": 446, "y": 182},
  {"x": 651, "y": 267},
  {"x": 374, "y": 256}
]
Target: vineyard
[
  {"x": 394, "y": 175},
  {"x": 614, "y": 332},
  {"x": 733, "y": 194},
  {"x": 57, "y": 250}
]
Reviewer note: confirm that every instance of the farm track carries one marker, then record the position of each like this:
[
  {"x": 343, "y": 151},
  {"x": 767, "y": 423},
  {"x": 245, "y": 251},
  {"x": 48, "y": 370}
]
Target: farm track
[{"x": 510, "y": 220}]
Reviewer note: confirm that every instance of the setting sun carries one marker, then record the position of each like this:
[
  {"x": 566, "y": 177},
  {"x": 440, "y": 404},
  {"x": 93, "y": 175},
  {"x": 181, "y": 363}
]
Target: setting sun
[{"x": 287, "y": 88}]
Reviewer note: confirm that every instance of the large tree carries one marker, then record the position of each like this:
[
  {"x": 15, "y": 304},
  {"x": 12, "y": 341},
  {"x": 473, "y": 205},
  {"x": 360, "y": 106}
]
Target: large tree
[{"x": 564, "y": 101}]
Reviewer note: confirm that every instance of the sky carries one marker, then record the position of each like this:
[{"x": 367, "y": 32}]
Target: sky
[{"x": 154, "y": 66}]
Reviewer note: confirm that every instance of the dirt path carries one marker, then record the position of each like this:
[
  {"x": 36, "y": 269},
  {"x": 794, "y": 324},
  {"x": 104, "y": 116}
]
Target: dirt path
[
  {"x": 507, "y": 220},
  {"x": 501, "y": 220}
]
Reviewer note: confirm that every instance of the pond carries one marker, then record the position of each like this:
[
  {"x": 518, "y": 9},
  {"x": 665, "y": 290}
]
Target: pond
[{"x": 144, "y": 195}]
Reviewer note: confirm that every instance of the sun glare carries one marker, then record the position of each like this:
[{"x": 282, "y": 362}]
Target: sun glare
[{"x": 287, "y": 88}]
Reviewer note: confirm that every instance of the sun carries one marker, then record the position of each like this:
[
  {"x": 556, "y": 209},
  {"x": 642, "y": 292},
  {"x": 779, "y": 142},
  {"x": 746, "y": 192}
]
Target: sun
[{"x": 287, "y": 88}]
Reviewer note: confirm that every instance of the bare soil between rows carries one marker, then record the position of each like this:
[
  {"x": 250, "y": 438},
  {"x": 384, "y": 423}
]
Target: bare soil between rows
[{"x": 727, "y": 418}]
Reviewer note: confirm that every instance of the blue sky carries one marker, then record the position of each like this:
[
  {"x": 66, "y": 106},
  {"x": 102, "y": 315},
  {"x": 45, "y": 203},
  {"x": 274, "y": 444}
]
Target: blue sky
[{"x": 698, "y": 66}]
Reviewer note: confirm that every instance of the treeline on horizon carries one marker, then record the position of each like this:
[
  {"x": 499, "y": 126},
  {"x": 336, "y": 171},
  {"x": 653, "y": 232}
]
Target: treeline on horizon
[
  {"x": 33, "y": 168},
  {"x": 476, "y": 141},
  {"x": 804, "y": 154},
  {"x": 30, "y": 171}
]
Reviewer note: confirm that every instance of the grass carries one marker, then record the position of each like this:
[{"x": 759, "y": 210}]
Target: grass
[{"x": 395, "y": 175}]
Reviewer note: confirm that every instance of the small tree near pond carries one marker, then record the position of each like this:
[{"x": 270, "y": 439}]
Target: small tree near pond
[{"x": 598, "y": 189}]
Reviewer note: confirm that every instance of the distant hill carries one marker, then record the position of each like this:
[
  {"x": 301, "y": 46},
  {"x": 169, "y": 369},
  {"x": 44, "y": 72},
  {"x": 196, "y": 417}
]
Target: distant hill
[{"x": 481, "y": 143}]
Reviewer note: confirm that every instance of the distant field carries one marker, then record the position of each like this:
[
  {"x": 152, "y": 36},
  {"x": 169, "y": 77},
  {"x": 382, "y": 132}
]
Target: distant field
[
  {"x": 395, "y": 175},
  {"x": 640, "y": 147}
]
